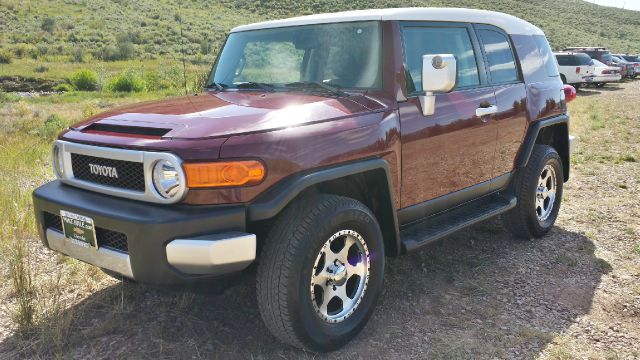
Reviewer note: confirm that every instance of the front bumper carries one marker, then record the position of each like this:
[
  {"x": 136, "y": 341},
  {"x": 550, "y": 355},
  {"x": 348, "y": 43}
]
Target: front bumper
[
  {"x": 573, "y": 144},
  {"x": 163, "y": 244}
]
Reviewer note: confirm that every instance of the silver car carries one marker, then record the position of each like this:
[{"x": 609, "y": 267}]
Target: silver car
[
  {"x": 634, "y": 60},
  {"x": 628, "y": 70}
]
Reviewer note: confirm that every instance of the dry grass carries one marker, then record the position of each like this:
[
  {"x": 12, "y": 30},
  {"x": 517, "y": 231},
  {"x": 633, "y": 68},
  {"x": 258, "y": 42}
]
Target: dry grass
[{"x": 573, "y": 294}]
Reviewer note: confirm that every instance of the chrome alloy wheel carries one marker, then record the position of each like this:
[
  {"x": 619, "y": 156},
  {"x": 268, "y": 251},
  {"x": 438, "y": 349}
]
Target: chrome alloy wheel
[
  {"x": 546, "y": 193},
  {"x": 340, "y": 276}
]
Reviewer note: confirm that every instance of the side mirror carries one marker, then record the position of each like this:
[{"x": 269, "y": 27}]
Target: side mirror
[{"x": 439, "y": 75}]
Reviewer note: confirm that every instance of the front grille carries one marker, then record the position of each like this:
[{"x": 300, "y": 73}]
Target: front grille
[
  {"x": 106, "y": 238},
  {"x": 52, "y": 221},
  {"x": 112, "y": 239},
  {"x": 130, "y": 175}
]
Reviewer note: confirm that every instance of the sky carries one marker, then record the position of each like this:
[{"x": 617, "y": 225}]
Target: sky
[{"x": 627, "y": 4}]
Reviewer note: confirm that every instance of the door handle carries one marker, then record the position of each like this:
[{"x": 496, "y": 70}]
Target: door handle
[{"x": 484, "y": 111}]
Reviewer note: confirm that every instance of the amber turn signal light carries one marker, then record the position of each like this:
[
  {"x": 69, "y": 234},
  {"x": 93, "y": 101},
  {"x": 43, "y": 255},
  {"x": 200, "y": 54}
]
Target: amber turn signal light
[{"x": 218, "y": 174}]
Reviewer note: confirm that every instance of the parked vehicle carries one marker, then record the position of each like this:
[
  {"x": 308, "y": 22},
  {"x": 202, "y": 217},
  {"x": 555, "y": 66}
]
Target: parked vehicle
[
  {"x": 575, "y": 68},
  {"x": 627, "y": 67},
  {"x": 634, "y": 60},
  {"x": 322, "y": 145},
  {"x": 604, "y": 74},
  {"x": 599, "y": 53}
]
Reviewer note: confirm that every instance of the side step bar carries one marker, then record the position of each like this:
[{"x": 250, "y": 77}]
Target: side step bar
[{"x": 438, "y": 226}]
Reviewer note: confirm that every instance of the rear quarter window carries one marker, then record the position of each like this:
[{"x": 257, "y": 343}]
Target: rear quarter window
[
  {"x": 546, "y": 55},
  {"x": 502, "y": 66}
]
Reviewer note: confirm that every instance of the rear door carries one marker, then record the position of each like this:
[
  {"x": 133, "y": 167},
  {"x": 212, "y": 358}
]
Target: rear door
[
  {"x": 452, "y": 149},
  {"x": 510, "y": 92}
]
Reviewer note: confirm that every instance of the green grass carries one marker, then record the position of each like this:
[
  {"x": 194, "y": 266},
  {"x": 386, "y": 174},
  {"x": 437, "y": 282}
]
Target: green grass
[
  {"x": 152, "y": 27},
  {"x": 27, "y": 129}
]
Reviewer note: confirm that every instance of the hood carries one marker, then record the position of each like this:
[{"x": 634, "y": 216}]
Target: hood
[{"x": 223, "y": 114}]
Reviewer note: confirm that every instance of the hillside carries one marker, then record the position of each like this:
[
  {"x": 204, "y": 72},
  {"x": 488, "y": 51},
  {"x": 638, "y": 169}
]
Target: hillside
[{"x": 148, "y": 29}]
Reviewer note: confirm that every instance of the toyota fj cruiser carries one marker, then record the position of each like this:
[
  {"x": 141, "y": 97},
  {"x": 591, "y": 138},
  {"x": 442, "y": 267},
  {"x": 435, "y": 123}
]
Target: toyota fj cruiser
[{"x": 322, "y": 145}]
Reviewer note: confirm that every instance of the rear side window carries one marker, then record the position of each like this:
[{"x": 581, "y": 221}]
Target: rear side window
[
  {"x": 419, "y": 41},
  {"x": 584, "y": 59},
  {"x": 502, "y": 66},
  {"x": 567, "y": 60},
  {"x": 550, "y": 64},
  {"x": 574, "y": 60}
]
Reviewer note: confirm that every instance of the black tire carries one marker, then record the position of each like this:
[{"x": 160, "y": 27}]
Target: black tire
[
  {"x": 600, "y": 85},
  {"x": 563, "y": 78},
  {"x": 524, "y": 220},
  {"x": 287, "y": 263},
  {"x": 576, "y": 86}
]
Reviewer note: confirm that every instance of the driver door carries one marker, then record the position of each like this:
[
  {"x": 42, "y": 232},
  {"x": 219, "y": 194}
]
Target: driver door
[{"x": 453, "y": 149}]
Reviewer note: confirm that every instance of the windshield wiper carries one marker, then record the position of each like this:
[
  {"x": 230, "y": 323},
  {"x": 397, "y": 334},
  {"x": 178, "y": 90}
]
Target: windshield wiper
[
  {"x": 253, "y": 85},
  {"x": 318, "y": 85},
  {"x": 215, "y": 85}
]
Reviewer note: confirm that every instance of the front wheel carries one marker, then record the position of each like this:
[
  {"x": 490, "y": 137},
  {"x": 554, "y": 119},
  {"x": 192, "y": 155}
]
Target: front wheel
[
  {"x": 321, "y": 272},
  {"x": 538, "y": 188}
]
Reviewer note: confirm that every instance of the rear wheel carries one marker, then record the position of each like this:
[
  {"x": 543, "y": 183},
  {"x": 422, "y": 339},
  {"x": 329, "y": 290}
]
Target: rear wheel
[
  {"x": 563, "y": 78},
  {"x": 538, "y": 188},
  {"x": 321, "y": 272}
]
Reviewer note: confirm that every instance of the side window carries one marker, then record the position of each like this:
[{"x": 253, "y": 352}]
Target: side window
[
  {"x": 419, "y": 41},
  {"x": 502, "y": 66},
  {"x": 564, "y": 60}
]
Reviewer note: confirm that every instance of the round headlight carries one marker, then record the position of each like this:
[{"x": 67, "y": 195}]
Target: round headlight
[
  {"x": 56, "y": 161},
  {"x": 166, "y": 179}
]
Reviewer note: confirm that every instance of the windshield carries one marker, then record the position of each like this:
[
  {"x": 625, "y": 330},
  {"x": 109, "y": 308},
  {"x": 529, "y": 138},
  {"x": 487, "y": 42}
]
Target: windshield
[{"x": 338, "y": 55}]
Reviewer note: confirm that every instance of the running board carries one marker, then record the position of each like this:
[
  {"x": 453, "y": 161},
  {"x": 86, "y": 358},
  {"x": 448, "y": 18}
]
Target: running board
[{"x": 438, "y": 226}]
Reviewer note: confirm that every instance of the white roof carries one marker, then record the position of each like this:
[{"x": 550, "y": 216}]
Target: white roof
[{"x": 510, "y": 24}]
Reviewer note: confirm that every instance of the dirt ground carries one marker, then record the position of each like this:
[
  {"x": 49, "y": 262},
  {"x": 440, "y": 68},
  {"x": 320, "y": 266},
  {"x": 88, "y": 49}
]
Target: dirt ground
[{"x": 480, "y": 294}]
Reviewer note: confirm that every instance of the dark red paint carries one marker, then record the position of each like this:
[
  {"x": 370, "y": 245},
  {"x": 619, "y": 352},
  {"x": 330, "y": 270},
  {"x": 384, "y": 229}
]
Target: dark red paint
[{"x": 428, "y": 156}]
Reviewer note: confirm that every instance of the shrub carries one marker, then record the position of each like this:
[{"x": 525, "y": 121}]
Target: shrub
[
  {"x": 77, "y": 55},
  {"x": 126, "y": 82},
  {"x": 52, "y": 126},
  {"x": 41, "y": 69},
  {"x": 43, "y": 49},
  {"x": 155, "y": 81},
  {"x": 107, "y": 53},
  {"x": 8, "y": 97},
  {"x": 85, "y": 80},
  {"x": 64, "y": 87},
  {"x": 205, "y": 46},
  {"x": 21, "y": 50},
  {"x": 48, "y": 24},
  {"x": 6, "y": 57},
  {"x": 126, "y": 50},
  {"x": 90, "y": 110}
]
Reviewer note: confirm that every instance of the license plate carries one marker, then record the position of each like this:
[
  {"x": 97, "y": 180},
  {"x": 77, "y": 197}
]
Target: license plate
[{"x": 79, "y": 229}]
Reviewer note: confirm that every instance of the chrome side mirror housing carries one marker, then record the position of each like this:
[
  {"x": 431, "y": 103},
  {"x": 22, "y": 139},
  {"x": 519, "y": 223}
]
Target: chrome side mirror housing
[{"x": 439, "y": 75}]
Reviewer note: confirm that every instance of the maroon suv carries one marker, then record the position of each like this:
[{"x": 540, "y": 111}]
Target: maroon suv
[{"x": 322, "y": 145}]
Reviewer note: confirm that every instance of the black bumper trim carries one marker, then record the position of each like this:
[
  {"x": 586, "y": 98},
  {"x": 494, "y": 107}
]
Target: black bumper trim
[{"x": 148, "y": 227}]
